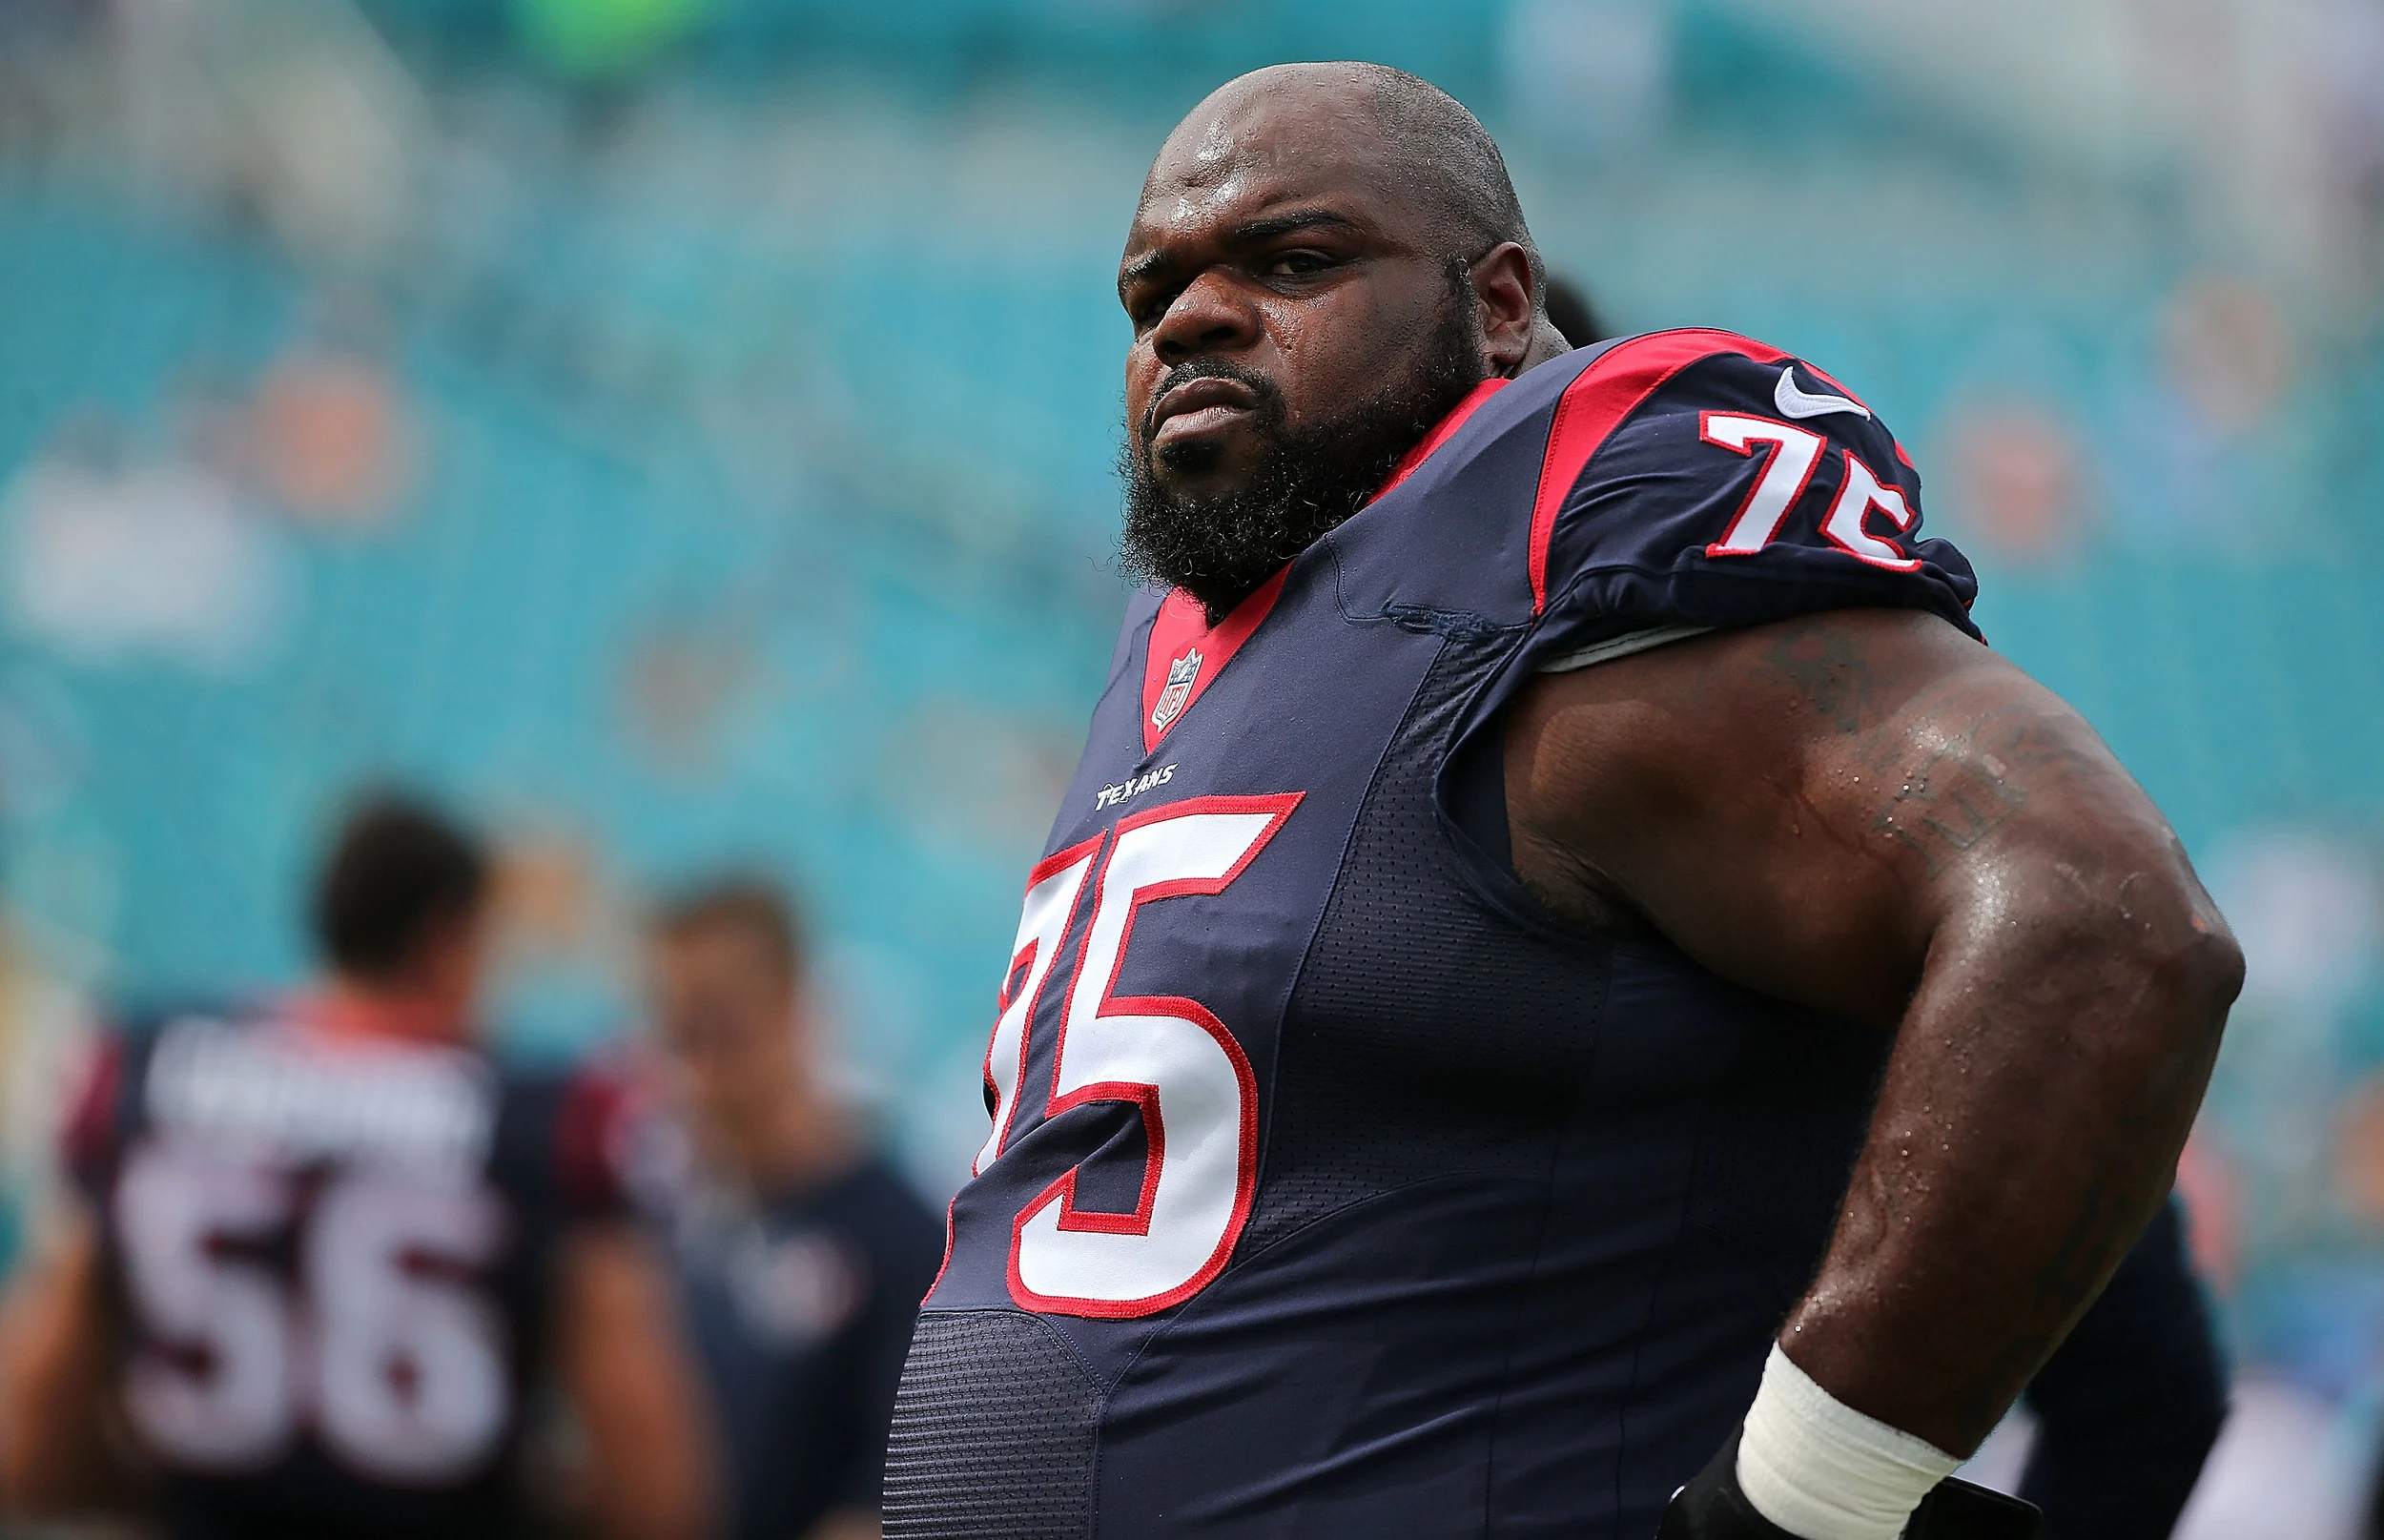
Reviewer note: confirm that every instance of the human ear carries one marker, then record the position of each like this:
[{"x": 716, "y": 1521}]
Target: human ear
[{"x": 1506, "y": 299}]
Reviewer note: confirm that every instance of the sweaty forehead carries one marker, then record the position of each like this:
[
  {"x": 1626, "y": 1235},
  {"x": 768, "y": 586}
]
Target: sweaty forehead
[{"x": 1257, "y": 144}]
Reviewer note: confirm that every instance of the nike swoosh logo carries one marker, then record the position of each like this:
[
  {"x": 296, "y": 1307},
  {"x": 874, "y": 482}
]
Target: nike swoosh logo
[{"x": 1794, "y": 403}]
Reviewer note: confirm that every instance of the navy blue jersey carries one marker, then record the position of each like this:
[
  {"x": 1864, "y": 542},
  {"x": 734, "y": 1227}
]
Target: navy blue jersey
[
  {"x": 800, "y": 1310},
  {"x": 327, "y": 1261},
  {"x": 1331, "y": 1188}
]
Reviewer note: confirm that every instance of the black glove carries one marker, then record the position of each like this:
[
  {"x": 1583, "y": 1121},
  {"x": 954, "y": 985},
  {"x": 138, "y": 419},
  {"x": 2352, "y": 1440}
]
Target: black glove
[{"x": 1712, "y": 1508}]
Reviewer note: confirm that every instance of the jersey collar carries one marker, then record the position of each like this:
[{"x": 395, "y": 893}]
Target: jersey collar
[
  {"x": 1444, "y": 430},
  {"x": 1186, "y": 652},
  {"x": 333, "y": 1014}
]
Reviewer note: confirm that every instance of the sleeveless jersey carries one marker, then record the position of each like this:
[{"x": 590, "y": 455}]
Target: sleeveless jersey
[
  {"x": 1331, "y": 1188},
  {"x": 326, "y": 1261}
]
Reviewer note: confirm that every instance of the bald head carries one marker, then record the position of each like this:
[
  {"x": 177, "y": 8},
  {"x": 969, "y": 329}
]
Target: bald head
[
  {"x": 1326, "y": 260},
  {"x": 1431, "y": 154}
]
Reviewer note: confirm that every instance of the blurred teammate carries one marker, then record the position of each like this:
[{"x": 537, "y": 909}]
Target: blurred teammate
[
  {"x": 323, "y": 1248},
  {"x": 801, "y": 1254},
  {"x": 1556, "y": 888}
]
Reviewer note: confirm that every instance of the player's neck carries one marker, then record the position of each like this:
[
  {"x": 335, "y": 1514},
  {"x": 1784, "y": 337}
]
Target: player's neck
[
  {"x": 355, "y": 1008},
  {"x": 1546, "y": 342}
]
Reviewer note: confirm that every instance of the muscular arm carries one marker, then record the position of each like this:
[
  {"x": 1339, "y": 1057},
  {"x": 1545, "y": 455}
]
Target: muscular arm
[
  {"x": 1867, "y": 812},
  {"x": 621, "y": 1360}
]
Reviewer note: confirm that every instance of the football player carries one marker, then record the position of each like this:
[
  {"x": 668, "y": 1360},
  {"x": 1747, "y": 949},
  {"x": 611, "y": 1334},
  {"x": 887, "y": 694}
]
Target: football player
[
  {"x": 1567, "y": 970},
  {"x": 799, "y": 1251},
  {"x": 321, "y": 1248}
]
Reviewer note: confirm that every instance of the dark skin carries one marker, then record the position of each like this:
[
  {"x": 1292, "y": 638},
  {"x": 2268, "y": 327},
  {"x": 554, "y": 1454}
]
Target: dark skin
[
  {"x": 1273, "y": 232},
  {"x": 1869, "y": 812},
  {"x": 1863, "y": 811}
]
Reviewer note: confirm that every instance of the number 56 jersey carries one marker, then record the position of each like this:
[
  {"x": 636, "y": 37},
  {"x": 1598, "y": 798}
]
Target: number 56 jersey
[
  {"x": 1330, "y": 1187},
  {"x": 327, "y": 1257}
]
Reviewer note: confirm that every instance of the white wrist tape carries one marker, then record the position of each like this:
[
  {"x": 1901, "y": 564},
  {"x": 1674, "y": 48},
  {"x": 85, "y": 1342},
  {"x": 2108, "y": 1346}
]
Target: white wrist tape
[{"x": 1823, "y": 1471}]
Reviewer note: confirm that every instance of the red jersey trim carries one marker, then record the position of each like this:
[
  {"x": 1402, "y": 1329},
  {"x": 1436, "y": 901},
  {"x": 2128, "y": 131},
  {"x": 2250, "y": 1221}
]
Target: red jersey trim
[
  {"x": 89, "y": 1138},
  {"x": 1022, "y": 968},
  {"x": 1173, "y": 678},
  {"x": 1185, "y": 653},
  {"x": 1280, "y": 806},
  {"x": 1598, "y": 402},
  {"x": 1414, "y": 459}
]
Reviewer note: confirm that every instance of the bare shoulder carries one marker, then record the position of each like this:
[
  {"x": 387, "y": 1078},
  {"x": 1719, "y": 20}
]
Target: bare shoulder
[
  {"x": 1895, "y": 699},
  {"x": 1813, "y": 776},
  {"x": 1839, "y": 672}
]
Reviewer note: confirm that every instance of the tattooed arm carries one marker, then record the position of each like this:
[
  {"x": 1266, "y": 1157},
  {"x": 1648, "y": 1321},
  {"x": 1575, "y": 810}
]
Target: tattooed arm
[{"x": 1868, "y": 813}]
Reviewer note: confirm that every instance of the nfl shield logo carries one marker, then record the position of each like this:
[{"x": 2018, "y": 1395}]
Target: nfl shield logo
[{"x": 1180, "y": 674}]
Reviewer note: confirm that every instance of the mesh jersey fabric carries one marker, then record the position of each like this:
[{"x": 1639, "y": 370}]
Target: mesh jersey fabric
[{"x": 994, "y": 1432}]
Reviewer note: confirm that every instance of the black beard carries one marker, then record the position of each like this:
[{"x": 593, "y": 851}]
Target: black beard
[{"x": 1220, "y": 549}]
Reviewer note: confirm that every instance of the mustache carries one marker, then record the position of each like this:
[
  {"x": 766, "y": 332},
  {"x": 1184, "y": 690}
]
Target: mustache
[{"x": 1270, "y": 397}]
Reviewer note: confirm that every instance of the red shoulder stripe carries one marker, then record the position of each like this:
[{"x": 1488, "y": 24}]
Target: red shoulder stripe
[{"x": 1595, "y": 404}]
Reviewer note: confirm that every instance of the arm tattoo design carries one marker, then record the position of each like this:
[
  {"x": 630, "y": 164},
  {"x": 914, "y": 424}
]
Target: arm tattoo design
[
  {"x": 1830, "y": 669},
  {"x": 1961, "y": 793},
  {"x": 1954, "y": 795}
]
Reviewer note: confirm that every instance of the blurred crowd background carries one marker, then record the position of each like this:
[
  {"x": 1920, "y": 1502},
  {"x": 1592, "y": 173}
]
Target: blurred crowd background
[{"x": 680, "y": 432}]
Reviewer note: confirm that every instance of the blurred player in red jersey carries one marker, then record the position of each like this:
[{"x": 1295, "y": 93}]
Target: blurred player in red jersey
[{"x": 321, "y": 1250}]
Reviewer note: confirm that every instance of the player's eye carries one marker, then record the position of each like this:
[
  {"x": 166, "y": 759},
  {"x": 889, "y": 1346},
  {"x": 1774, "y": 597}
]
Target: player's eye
[{"x": 1296, "y": 264}]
